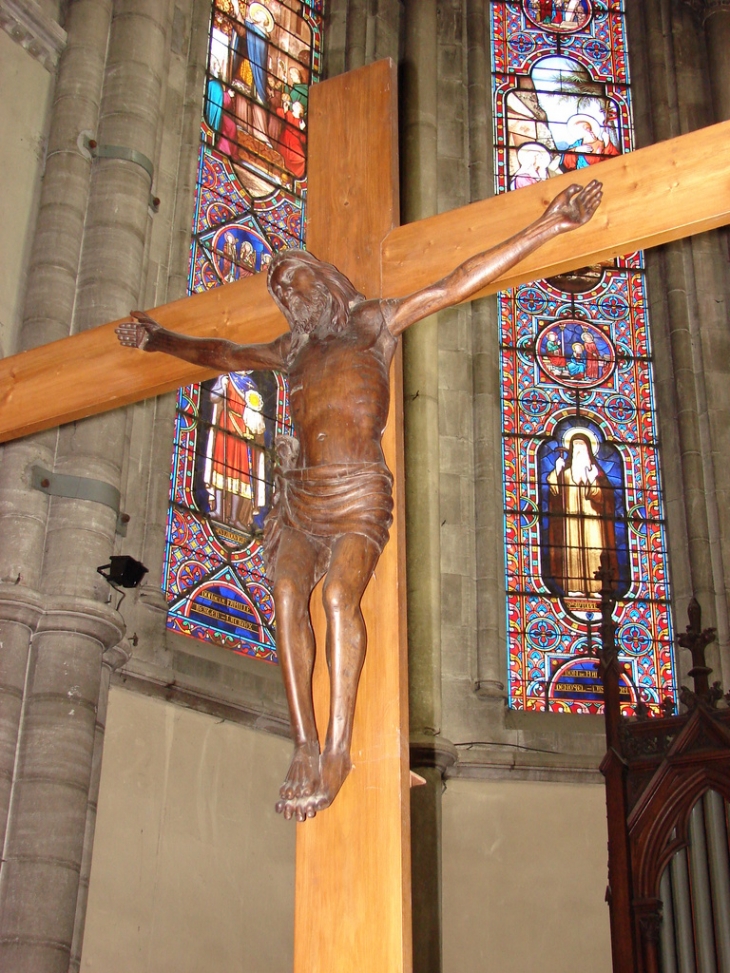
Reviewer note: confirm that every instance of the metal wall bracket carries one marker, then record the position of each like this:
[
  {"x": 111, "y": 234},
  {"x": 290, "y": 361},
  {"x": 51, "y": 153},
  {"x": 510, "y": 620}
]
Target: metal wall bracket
[
  {"x": 119, "y": 152},
  {"x": 80, "y": 488}
]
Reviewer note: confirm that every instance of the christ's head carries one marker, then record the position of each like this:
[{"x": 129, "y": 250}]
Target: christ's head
[{"x": 309, "y": 292}]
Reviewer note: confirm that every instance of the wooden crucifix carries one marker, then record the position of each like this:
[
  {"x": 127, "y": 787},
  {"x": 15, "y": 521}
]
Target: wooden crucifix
[{"x": 353, "y": 886}]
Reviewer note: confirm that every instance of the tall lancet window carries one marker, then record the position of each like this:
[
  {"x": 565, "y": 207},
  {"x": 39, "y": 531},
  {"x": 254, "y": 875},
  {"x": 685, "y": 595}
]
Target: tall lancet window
[
  {"x": 579, "y": 438},
  {"x": 252, "y": 180}
]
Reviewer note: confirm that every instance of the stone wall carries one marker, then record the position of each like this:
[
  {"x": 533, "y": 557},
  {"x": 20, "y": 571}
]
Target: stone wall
[{"x": 23, "y": 132}]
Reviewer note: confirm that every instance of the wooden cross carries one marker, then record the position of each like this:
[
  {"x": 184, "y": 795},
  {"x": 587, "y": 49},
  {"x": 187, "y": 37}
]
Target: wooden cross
[{"x": 353, "y": 861}]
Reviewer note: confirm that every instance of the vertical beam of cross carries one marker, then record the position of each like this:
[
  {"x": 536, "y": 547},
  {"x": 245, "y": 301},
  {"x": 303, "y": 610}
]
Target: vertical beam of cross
[{"x": 352, "y": 908}]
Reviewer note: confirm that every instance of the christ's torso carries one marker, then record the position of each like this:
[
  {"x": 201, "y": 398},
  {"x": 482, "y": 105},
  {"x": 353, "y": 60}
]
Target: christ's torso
[{"x": 339, "y": 391}]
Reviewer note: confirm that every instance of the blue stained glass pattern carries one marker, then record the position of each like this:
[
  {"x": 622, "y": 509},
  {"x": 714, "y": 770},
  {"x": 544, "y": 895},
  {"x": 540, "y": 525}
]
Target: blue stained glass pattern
[
  {"x": 579, "y": 446},
  {"x": 250, "y": 202}
]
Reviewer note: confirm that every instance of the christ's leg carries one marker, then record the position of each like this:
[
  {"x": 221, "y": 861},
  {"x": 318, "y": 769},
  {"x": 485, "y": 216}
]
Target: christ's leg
[
  {"x": 352, "y": 563},
  {"x": 296, "y": 576}
]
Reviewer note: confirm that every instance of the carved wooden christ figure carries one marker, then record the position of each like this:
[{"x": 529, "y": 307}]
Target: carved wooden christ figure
[{"x": 333, "y": 508}]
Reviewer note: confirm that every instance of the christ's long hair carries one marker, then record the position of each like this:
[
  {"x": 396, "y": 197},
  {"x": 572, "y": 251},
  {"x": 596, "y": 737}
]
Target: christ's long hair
[{"x": 342, "y": 291}]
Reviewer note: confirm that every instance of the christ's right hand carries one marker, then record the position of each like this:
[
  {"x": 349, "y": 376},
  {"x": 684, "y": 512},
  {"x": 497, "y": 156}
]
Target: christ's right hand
[{"x": 137, "y": 332}]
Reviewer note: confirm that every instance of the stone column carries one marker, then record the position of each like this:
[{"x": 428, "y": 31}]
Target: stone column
[
  {"x": 112, "y": 659},
  {"x": 335, "y": 38},
  {"x": 717, "y": 32},
  {"x": 45, "y": 837},
  {"x": 490, "y": 674},
  {"x": 48, "y": 312},
  {"x": 41, "y": 910},
  {"x": 687, "y": 291},
  {"x": 419, "y": 183},
  {"x": 715, "y": 15},
  {"x": 356, "y": 39},
  {"x": 419, "y": 199},
  {"x": 20, "y": 609},
  {"x": 710, "y": 253},
  {"x": 358, "y": 32}
]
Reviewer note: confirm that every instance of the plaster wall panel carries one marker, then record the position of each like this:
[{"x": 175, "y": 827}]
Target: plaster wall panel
[
  {"x": 524, "y": 877},
  {"x": 193, "y": 871}
]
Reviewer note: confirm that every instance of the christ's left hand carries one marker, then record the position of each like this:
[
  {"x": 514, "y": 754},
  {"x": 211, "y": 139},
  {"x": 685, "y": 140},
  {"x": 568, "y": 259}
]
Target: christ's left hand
[{"x": 575, "y": 205}]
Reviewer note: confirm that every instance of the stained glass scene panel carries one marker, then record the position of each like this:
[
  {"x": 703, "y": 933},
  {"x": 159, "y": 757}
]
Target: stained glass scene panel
[
  {"x": 580, "y": 451},
  {"x": 250, "y": 200}
]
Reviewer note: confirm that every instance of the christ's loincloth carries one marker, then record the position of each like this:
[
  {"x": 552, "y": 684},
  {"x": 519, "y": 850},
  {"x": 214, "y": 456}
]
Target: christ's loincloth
[{"x": 327, "y": 502}]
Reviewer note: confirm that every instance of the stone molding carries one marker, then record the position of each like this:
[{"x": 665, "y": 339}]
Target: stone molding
[
  {"x": 191, "y": 697},
  {"x": 491, "y": 689},
  {"x": 43, "y": 614},
  {"x": 116, "y": 656},
  {"x": 506, "y": 763},
  {"x": 432, "y": 751},
  {"x": 37, "y": 33},
  {"x": 20, "y": 605}
]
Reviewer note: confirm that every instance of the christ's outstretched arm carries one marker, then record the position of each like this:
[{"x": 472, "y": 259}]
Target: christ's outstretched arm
[
  {"x": 225, "y": 356},
  {"x": 569, "y": 210}
]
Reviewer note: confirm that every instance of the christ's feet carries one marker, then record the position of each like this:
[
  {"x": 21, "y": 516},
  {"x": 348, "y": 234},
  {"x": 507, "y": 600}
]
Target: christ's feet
[
  {"x": 312, "y": 782},
  {"x": 334, "y": 766},
  {"x": 301, "y": 785}
]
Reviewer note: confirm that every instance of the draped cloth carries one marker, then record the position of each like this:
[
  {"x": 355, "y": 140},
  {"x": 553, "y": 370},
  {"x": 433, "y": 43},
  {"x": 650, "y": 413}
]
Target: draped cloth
[{"x": 327, "y": 502}]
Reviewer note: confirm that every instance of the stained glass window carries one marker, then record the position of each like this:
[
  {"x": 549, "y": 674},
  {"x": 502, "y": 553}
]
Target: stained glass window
[
  {"x": 579, "y": 440},
  {"x": 251, "y": 194}
]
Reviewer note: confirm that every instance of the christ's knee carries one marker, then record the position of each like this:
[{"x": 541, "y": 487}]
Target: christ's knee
[
  {"x": 291, "y": 600},
  {"x": 340, "y": 598}
]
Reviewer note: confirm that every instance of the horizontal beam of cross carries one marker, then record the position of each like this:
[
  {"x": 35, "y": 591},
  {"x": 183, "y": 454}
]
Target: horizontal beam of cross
[
  {"x": 664, "y": 192},
  {"x": 661, "y": 193}
]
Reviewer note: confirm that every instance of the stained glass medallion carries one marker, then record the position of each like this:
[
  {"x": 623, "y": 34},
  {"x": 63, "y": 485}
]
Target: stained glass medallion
[
  {"x": 580, "y": 452},
  {"x": 250, "y": 201},
  {"x": 559, "y": 18}
]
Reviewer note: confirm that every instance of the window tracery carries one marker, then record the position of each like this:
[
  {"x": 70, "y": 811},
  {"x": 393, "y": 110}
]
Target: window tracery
[
  {"x": 250, "y": 201},
  {"x": 580, "y": 449}
]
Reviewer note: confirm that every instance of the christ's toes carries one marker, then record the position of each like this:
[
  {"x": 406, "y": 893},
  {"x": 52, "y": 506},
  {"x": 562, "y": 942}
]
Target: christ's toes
[
  {"x": 300, "y": 809},
  {"x": 302, "y": 777}
]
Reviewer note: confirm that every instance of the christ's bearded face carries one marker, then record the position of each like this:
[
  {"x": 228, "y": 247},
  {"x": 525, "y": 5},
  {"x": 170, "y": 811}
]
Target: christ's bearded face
[{"x": 304, "y": 296}]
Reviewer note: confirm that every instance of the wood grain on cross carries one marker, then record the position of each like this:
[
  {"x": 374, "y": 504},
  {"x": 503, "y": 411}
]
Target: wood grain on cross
[
  {"x": 353, "y": 886},
  {"x": 658, "y": 194}
]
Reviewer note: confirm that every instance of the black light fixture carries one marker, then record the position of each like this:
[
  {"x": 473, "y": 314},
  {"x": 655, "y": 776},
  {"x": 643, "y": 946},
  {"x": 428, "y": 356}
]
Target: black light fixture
[{"x": 123, "y": 571}]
